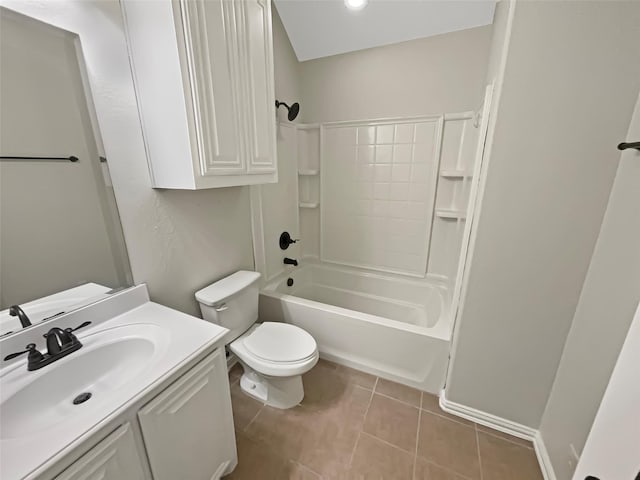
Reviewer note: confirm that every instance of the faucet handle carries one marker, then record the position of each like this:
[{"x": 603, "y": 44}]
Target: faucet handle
[
  {"x": 71, "y": 338},
  {"x": 69, "y": 331},
  {"x": 82, "y": 325},
  {"x": 286, "y": 240},
  {"x": 30, "y": 349}
]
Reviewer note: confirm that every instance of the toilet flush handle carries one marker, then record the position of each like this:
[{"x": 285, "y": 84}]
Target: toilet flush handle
[{"x": 221, "y": 307}]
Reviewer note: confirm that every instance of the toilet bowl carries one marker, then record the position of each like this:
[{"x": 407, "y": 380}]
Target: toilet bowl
[{"x": 273, "y": 355}]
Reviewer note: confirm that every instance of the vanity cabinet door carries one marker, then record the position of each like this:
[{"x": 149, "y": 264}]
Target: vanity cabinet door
[
  {"x": 114, "y": 458},
  {"x": 188, "y": 428}
]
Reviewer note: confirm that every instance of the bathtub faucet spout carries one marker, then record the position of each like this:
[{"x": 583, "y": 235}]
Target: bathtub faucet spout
[{"x": 291, "y": 261}]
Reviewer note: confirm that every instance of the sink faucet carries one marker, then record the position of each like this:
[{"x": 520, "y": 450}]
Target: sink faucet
[
  {"x": 16, "y": 311},
  {"x": 291, "y": 261},
  {"x": 60, "y": 343},
  {"x": 58, "y": 339}
]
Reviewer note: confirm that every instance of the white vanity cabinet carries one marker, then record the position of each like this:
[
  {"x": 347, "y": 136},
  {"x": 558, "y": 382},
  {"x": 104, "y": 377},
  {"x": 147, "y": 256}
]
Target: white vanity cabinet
[
  {"x": 188, "y": 428},
  {"x": 203, "y": 71},
  {"x": 185, "y": 431},
  {"x": 114, "y": 458}
]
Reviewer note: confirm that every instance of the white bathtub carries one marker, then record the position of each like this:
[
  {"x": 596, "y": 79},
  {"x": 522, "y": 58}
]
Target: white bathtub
[{"x": 387, "y": 325}]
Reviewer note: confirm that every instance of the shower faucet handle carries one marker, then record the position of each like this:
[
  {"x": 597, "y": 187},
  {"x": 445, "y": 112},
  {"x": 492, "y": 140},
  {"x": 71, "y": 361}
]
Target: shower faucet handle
[{"x": 286, "y": 240}]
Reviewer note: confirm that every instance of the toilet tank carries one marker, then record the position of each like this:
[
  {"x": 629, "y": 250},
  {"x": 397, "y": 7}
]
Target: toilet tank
[{"x": 231, "y": 302}]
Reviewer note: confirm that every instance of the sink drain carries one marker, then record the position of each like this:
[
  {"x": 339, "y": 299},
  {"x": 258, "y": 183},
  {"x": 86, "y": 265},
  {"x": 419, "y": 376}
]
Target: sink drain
[{"x": 83, "y": 397}]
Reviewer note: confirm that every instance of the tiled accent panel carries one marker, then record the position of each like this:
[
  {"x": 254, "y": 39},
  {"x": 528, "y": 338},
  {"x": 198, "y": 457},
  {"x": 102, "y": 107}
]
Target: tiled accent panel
[
  {"x": 378, "y": 188},
  {"x": 353, "y": 426}
]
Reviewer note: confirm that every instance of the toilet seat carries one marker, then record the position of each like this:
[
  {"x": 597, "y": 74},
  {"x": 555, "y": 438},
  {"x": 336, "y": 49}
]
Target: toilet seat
[
  {"x": 277, "y": 349},
  {"x": 280, "y": 343}
]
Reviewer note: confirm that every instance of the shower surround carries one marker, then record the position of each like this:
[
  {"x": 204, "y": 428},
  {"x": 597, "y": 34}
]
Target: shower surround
[{"x": 380, "y": 207}]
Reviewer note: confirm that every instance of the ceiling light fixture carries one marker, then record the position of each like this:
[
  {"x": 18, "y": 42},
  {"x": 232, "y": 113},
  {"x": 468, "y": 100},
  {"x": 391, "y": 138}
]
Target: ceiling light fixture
[{"x": 356, "y": 4}]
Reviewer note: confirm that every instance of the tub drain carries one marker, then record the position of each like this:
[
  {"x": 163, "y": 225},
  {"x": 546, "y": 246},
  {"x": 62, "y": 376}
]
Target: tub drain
[{"x": 83, "y": 397}]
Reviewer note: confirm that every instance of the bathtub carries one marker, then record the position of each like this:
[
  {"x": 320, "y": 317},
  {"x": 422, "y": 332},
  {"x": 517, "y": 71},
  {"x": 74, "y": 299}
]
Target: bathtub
[{"x": 386, "y": 325}]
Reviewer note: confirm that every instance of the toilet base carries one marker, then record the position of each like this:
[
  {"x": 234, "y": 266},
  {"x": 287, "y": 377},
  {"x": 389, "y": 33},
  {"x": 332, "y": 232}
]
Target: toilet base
[{"x": 277, "y": 392}]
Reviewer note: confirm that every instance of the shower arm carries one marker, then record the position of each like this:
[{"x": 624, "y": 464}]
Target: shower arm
[{"x": 292, "y": 111}]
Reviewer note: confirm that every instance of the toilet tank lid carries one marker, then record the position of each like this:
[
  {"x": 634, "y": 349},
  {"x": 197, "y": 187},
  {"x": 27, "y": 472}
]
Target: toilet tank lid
[{"x": 226, "y": 287}]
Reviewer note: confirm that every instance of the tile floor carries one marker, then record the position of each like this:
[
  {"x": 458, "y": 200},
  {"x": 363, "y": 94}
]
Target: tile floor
[{"x": 351, "y": 425}]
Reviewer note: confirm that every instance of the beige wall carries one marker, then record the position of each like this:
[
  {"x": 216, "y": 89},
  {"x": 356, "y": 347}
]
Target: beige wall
[
  {"x": 444, "y": 73},
  {"x": 609, "y": 298},
  {"x": 53, "y": 231},
  {"x": 286, "y": 69},
  {"x": 566, "y": 102}
]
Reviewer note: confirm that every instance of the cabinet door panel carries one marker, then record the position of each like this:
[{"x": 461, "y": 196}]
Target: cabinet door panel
[
  {"x": 114, "y": 458},
  {"x": 210, "y": 36},
  {"x": 256, "y": 46},
  {"x": 188, "y": 428}
]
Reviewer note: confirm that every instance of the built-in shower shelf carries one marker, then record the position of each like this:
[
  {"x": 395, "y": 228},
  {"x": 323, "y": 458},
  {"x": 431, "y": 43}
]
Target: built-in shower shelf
[
  {"x": 308, "y": 173},
  {"x": 308, "y": 204},
  {"x": 450, "y": 214},
  {"x": 455, "y": 174}
]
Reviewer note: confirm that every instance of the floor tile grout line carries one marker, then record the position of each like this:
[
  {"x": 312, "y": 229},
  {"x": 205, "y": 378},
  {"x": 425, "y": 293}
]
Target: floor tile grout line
[
  {"x": 459, "y": 422},
  {"x": 513, "y": 442},
  {"x": 478, "y": 450},
  {"x": 396, "y": 399},
  {"x": 415, "y": 453},
  {"x": 297, "y": 462},
  {"x": 373, "y": 392},
  {"x": 366, "y": 412},
  {"x": 362, "y": 388},
  {"x": 386, "y": 442},
  {"x": 446, "y": 469},
  {"x": 353, "y": 452},
  {"x": 253, "y": 419}
]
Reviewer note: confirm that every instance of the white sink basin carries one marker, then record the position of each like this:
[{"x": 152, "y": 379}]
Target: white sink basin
[{"x": 108, "y": 360}]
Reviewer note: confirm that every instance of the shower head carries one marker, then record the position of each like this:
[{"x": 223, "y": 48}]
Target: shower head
[{"x": 293, "y": 109}]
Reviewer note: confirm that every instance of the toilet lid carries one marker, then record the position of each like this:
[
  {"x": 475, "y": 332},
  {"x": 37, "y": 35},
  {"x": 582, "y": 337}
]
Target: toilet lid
[{"x": 280, "y": 342}]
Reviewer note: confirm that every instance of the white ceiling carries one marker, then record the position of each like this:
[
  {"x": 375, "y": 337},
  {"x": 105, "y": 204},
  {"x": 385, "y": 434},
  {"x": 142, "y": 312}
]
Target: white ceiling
[{"x": 319, "y": 28}]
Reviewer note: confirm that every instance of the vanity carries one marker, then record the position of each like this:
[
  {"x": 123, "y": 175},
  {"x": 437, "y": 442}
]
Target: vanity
[{"x": 145, "y": 397}]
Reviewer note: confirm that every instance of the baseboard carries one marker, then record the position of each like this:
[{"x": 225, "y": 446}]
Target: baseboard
[
  {"x": 543, "y": 458},
  {"x": 505, "y": 426}
]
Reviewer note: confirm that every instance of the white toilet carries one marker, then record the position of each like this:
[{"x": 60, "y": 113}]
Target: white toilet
[{"x": 273, "y": 355}]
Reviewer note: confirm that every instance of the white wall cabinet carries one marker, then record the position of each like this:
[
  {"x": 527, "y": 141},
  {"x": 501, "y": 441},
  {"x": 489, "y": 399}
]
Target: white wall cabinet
[
  {"x": 185, "y": 431},
  {"x": 188, "y": 428},
  {"x": 203, "y": 71},
  {"x": 114, "y": 458}
]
